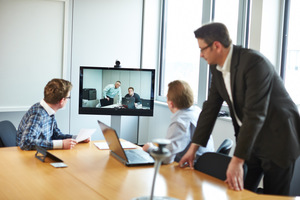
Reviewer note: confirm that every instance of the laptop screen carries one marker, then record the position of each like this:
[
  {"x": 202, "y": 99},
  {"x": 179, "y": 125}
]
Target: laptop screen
[
  {"x": 128, "y": 102},
  {"x": 112, "y": 140}
]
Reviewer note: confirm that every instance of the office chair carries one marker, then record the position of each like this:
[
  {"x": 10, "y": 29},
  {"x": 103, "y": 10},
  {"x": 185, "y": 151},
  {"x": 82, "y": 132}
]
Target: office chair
[
  {"x": 8, "y": 134},
  {"x": 225, "y": 147},
  {"x": 215, "y": 164}
]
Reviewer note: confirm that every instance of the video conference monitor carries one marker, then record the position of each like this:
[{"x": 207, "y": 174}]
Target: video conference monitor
[{"x": 99, "y": 93}]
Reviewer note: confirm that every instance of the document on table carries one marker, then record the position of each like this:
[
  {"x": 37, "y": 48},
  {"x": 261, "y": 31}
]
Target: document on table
[
  {"x": 84, "y": 134},
  {"x": 125, "y": 145}
]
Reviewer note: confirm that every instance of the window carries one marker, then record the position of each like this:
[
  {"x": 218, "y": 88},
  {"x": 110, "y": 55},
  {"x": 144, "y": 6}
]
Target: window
[
  {"x": 180, "y": 54},
  {"x": 227, "y": 13},
  {"x": 180, "y": 51},
  {"x": 291, "y": 57}
]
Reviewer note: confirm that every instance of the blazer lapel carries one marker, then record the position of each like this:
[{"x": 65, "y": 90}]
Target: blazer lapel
[
  {"x": 233, "y": 67},
  {"x": 233, "y": 74}
]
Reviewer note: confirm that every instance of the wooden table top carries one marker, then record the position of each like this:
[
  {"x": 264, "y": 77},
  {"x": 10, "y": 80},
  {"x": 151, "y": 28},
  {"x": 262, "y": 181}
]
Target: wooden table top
[{"x": 94, "y": 174}]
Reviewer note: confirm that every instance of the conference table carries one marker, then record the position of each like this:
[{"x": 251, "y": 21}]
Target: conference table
[{"x": 92, "y": 173}]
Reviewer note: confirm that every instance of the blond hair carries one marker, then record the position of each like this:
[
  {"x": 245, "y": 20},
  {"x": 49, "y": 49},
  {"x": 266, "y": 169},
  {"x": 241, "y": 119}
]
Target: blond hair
[{"x": 181, "y": 94}]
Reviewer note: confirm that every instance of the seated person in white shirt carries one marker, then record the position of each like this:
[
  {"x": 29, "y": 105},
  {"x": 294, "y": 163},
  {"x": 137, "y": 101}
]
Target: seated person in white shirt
[{"x": 180, "y": 101}]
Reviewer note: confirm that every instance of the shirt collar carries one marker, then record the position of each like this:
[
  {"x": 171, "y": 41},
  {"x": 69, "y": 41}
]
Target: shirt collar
[
  {"x": 49, "y": 110},
  {"x": 227, "y": 63}
]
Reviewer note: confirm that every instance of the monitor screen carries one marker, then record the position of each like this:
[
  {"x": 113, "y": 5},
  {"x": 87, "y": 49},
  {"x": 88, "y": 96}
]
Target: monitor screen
[{"x": 116, "y": 91}]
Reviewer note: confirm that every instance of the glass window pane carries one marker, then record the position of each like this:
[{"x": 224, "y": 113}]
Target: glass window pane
[
  {"x": 181, "y": 55},
  {"x": 292, "y": 68},
  {"x": 227, "y": 13}
]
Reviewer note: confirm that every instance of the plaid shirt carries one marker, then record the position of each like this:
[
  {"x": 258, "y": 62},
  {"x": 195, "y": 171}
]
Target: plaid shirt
[{"x": 38, "y": 128}]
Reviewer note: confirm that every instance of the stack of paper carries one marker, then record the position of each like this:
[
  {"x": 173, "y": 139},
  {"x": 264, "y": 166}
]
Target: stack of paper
[{"x": 84, "y": 134}]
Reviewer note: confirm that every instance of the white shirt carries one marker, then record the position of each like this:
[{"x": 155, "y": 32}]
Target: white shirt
[
  {"x": 180, "y": 133},
  {"x": 225, "y": 70}
]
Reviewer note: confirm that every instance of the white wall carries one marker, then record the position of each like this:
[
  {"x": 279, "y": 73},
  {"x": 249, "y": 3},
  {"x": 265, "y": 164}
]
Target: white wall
[
  {"x": 31, "y": 50},
  {"x": 36, "y": 34},
  {"x": 100, "y": 32},
  {"x": 103, "y": 32}
]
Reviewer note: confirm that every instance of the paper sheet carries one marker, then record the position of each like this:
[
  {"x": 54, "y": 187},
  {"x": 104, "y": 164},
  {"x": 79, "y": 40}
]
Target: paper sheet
[
  {"x": 125, "y": 145},
  {"x": 84, "y": 134}
]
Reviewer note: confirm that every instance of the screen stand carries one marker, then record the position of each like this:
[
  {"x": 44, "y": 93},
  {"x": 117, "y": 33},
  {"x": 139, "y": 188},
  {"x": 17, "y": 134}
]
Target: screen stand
[
  {"x": 126, "y": 127},
  {"x": 115, "y": 123}
]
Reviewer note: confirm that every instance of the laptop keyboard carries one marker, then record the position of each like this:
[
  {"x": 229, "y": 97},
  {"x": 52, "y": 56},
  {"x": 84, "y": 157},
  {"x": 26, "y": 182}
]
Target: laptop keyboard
[{"x": 132, "y": 155}]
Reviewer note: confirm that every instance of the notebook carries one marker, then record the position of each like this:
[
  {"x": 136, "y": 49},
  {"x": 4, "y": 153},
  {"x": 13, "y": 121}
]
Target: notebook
[{"x": 129, "y": 157}]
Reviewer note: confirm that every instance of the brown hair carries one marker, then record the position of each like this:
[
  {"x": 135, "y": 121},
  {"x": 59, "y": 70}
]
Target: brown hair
[
  {"x": 181, "y": 94},
  {"x": 56, "y": 89}
]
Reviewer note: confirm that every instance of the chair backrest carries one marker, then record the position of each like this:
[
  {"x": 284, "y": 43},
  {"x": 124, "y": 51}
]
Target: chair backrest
[
  {"x": 295, "y": 183},
  {"x": 215, "y": 164},
  {"x": 8, "y": 134},
  {"x": 225, "y": 147}
]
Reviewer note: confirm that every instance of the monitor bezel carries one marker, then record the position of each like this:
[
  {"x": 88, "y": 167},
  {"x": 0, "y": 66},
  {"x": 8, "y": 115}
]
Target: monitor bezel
[{"x": 113, "y": 111}]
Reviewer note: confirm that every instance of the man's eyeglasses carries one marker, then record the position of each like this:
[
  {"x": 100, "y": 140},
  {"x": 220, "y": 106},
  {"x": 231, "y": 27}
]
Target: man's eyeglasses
[
  {"x": 203, "y": 49},
  {"x": 68, "y": 97}
]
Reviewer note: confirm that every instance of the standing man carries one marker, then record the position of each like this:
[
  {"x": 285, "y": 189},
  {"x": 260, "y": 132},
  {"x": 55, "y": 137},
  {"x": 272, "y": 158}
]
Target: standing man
[
  {"x": 110, "y": 91},
  {"x": 38, "y": 126},
  {"x": 265, "y": 119}
]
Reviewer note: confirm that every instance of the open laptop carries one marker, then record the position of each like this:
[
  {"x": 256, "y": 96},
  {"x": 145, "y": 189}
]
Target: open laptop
[
  {"x": 146, "y": 103},
  {"x": 128, "y": 102},
  {"x": 129, "y": 157}
]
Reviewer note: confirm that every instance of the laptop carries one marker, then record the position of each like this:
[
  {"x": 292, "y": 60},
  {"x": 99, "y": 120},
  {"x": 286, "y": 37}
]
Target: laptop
[
  {"x": 128, "y": 102},
  {"x": 129, "y": 157},
  {"x": 146, "y": 103}
]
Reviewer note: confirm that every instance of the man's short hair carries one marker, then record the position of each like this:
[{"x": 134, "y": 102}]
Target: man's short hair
[
  {"x": 56, "y": 89},
  {"x": 214, "y": 32},
  {"x": 131, "y": 88},
  {"x": 181, "y": 94},
  {"x": 118, "y": 82}
]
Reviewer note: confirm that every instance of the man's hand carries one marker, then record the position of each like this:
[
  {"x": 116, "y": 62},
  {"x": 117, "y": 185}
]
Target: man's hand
[
  {"x": 235, "y": 174},
  {"x": 69, "y": 143},
  {"x": 189, "y": 157}
]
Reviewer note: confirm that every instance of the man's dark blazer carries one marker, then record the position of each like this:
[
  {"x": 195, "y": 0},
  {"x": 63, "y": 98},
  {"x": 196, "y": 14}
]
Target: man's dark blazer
[{"x": 270, "y": 119}]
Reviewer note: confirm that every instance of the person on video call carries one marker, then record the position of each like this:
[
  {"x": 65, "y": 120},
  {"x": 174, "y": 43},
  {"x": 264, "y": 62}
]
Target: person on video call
[
  {"x": 110, "y": 91},
  {"x": 265, "y": 119},
  {"x": 38, "y": 126},
  {"x": 180, "y": 101},
  {"x": 131, "y": 93}
]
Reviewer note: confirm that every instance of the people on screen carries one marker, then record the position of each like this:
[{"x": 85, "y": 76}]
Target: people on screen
[
  {"x": 266, "y": 120},
  {"x": 109, "y": 93},
  {"x": 180, "y": 101},
  {"x": 136, "y": 97},
  {"x": 38, "y": 126}
]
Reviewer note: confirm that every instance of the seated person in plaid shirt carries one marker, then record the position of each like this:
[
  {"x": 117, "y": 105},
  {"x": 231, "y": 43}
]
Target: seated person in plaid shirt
[{"x": 38, "y": 126}]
